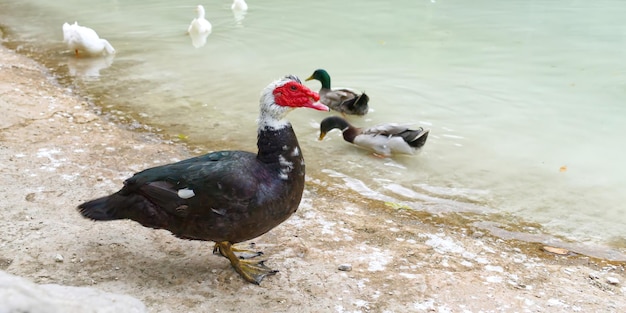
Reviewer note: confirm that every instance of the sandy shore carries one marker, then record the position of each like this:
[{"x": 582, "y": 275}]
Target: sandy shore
[{"x": 55, "y": 153}]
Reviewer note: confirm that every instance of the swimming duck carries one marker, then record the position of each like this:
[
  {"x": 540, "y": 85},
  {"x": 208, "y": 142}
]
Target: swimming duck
[
  {"x": 239, "y": 8},
  {"x": 225, "y": 196},
  {"x": 239, "y": 5},
  {"x": 384, "y": 139},
  {"x": 343, "y": 100},
  {"x": 85, "y": 39},
  {"x": 199, "y": 29}
]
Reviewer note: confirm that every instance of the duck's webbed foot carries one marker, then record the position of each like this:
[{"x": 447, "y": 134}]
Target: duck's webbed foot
[
  {"x": 240, "y": 253},
  {"x": 252, "y": 271}
]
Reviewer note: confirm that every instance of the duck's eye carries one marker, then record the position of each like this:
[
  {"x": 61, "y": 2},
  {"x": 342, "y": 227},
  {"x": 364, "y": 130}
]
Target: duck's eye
[{"x": 294, "y": 88}]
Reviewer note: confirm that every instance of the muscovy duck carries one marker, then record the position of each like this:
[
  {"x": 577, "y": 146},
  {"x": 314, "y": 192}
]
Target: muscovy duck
[
  {"x": 85, "y": 39},
  {"x": 225, "y": 196},
  {"x": 199, "y": 28},
  {"x": 384, "y": 139},
  {"x": 344, "y": 100}
]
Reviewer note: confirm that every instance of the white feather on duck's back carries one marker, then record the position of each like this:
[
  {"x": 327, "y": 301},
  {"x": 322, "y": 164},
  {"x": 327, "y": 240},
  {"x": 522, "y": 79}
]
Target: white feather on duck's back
[
  {"x": 389, "y": 128},
  {"x": 186, "y": 193},
  {"x": 85, "y": 39}
]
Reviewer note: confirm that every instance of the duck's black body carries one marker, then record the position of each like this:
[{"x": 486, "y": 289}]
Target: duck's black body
[
  {"x": 238, "y": 195},
  {"x": 226, "y": 196}
]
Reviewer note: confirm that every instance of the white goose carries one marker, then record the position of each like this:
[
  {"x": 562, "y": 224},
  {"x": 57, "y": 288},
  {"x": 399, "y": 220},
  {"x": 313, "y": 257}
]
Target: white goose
[
  {"x": 199, "y": 29},
  {"x": 85, "y": 39}
]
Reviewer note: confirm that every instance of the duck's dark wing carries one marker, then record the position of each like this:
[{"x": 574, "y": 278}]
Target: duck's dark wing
[
  {"x": 349, "y": 101},
  {"x": 357, "y": 105},
  {"x": 194, "y": 187},
  {"x": 415, "y": 137}
]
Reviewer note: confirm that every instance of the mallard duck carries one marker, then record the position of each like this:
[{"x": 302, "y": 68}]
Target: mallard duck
[
  {"x": 384, "y": 139},
  {"x": 85, "y": 39},
  {"x": 199, "y": 29},
  {"x": 225, "y": 196},
  {"x": 343, "y": 100}
]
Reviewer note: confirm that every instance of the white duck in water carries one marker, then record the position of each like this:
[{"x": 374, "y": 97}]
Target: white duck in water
[
  {"x": 199, "y": 29},
  {"x": 85, "y": 39},
  {"x": 239, "y": 5},
  {"x": 384, "y": 139},
  {"x": 240, "y": 8}
]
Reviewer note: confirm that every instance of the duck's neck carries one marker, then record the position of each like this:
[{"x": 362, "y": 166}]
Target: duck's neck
[
  {"x": 276, "y": 143},
  {"x": 201, "y": 13},
  {"x": 324, "y": 78},
  {"x": 349, "y": 133}
]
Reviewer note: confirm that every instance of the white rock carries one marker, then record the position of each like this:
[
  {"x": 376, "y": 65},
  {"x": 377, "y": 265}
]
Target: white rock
[
  {"x": 20, "y": 295},
  {"x": 58, "y": 258},
  {"x": 612, "y": 280}
]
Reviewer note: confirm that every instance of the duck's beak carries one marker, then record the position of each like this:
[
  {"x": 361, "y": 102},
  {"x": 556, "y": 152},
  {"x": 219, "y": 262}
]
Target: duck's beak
[
  {"x": 322, "y": 135},
  {"x": 319, "y": 106},
  {"x": 310, "y": 77}
]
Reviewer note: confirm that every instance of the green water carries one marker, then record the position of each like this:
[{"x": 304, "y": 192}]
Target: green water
[{"x": 511, "y": 90}]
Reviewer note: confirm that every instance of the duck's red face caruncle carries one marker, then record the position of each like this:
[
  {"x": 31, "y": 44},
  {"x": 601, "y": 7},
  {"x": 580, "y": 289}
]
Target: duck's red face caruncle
[{"x": 295, "y": 95}]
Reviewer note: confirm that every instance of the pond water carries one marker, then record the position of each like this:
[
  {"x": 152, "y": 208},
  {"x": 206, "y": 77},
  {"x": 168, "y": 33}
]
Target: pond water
[{"x": 524, "y": 99}]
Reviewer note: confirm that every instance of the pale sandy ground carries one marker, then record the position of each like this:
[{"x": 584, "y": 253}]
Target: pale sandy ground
[{"x": 55, "y": 153}]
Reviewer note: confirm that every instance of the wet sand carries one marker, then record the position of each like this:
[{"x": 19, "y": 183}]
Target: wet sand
[{"x": 56, "y": 152}]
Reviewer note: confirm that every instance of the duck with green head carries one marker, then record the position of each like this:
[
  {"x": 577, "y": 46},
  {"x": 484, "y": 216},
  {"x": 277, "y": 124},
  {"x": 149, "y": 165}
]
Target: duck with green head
[
  {"x": 384, "y": 140},
  {"x": 342, "y": 100}
]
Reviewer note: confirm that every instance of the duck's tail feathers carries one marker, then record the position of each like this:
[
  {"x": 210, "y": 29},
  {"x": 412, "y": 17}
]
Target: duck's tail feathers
[
  {"x": 66, "y": 32},
  {"x": 416, "y": 138},
  {"x": 359, "y": 105},
  {"x": 362, "y": 100},
  {"x": 100, "y": 209},
  {"x": 108, "y": 47},
  {"x": 121, "y": 205}
]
